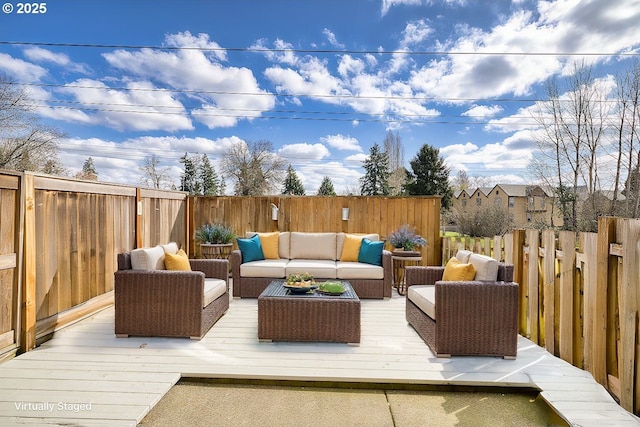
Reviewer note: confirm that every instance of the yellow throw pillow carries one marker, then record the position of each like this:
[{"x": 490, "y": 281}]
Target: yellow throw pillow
[
  {"x": 179, "y": 261},
  {"x": 351, "y": 248},
  {"x": 269, "y": 242},
  {"x": 455, "y": 271}
]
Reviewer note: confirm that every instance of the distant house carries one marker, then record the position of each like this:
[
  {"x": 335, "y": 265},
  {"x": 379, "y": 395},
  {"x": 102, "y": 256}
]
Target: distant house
[{"x": 527, "y": 204}]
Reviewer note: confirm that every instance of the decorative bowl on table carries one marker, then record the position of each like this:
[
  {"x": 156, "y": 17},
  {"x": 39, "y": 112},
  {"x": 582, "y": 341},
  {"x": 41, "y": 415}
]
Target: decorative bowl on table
[
  {"x": 331, "y": 288},
  {"x": 300, "y": 283}
]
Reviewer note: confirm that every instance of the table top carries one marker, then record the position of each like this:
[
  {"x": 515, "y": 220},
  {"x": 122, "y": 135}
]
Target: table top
[{"x": 277, "y": 290}]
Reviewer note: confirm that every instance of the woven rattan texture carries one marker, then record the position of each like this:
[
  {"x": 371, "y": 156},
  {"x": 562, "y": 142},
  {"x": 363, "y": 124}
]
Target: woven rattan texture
[
  {"x": 301, "y": 318},
  {"x": 167, "y": 303}
]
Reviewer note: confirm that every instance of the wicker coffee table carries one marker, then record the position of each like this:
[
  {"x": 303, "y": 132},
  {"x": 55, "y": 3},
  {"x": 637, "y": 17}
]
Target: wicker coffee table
[{"x": 283, "y": 316}]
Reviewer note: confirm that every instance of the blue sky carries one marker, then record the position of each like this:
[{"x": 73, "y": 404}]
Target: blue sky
[{"x": 323, "y": 80}]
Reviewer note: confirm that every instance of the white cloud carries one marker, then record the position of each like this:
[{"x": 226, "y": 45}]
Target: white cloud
[
  {"x": 416, "y": 32},
  {"x": 388, "y": 4},
  {"x": 111, "y": 158},
  {"x": 480, "y": 112},
  {"x": 342, "y": 176},
  {"x": 24, "y": 71},
  {"x": 342, "y": 142},
  {"x": 140, "y": 107},
  {"x": 231, "y": 92},
  {"x": 38, "y": 54},
  {"x": 303, "y": 153},
  {"x": 331, "y": 37}
]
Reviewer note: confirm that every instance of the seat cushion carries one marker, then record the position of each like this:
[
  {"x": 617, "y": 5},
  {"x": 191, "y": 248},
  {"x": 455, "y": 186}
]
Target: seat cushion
[
  {"x": 305, "y": 246},
  {"x": 424, "y": 297},
  {"x": 486, "y": 267},
  {"x": 147, "y": 259},
  {"x": 358, "y": 270},
  {"x": 274, "y": 268},
  {"x": 213, "y": 289},
  {"x": 318, "y": 268}
]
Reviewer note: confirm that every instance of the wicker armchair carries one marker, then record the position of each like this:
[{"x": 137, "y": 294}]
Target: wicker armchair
[
  {"x": 468, "y": 318},
  {"x": 168, "y": 303}
]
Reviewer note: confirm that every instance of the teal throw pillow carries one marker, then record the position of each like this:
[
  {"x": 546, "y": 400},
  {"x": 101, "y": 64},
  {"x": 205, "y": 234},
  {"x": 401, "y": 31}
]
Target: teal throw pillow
[
  {"x": 251, "y": 249},
  {"x": 371, "y": 252}
]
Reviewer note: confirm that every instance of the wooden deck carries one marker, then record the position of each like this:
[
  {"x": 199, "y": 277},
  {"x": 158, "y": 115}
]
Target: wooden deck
[{"x": 86, "y": 376}]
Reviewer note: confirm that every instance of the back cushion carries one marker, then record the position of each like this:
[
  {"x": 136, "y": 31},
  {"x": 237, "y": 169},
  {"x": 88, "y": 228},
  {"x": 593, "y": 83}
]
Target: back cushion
[
  {"x": 313, "y": 246},
  {"x": 148, "y": 258},
  {"x": 283, "y": 244},
  {"x": 170, "y": 248},
  {"x": 463, "y": 256},
  {"x": 486, "y": 267}
]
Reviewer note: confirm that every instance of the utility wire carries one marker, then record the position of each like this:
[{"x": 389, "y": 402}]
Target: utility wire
[{"x": 318, "y": 51}]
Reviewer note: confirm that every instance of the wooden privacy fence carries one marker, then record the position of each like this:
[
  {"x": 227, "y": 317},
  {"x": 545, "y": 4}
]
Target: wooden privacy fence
[
  {"x": 375, "y": 214},
  {"x": 579, "y": 296},
  {"x": 58, "y": 244}
]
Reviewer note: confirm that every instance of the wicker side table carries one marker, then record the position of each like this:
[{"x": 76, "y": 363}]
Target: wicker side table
[
  {"x": 308, "y": 317},
  {"x": 216, "y": 251},
  {"x": 400, "y": 260}
]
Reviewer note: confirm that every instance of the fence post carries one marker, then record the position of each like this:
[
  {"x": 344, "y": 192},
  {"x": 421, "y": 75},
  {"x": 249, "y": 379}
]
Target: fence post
[
  {"x": 514, "y": 255},
  {"x": 533, "y": 242},
  {"x": 28, "y": 341},
  {"x": 604, "y": 336},
  {"x": 549, "y": 290},
  {"x": 567, "y": 270},
  {"x": 629, "y": 314}
]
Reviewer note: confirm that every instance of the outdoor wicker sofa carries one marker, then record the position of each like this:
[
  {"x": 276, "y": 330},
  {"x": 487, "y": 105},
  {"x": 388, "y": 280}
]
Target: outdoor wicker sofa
[
  {"x": 320, "y": 254},
  {"x": 166, "y": 303},
  {"x": 464, "y": 317}
]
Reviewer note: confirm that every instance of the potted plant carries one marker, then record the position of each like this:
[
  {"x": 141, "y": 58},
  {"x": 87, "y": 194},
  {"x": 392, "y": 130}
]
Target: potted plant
[
  {"x": 216, "y": 240},
  {"x": 406, "y": 238}
]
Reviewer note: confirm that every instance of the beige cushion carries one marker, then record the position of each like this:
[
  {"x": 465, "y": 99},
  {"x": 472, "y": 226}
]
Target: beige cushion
[
  {"x": 424, "y": 297},
  {"x": 321, "y": 269},
  {"x": 264, "y": 268},
  {"x": 321, "y": 246},
  {"x": 486, "y": 267},
  {"x": 147, "y": 258},
  {"x": 213, "y": 289},
  {"x": 358, "y": 270},
  {"x": 170, "y": 248},
  {"x": 463, "y": 256},
  {"x": 283, "y": 244},
  {"x": 340, "y": 241}
]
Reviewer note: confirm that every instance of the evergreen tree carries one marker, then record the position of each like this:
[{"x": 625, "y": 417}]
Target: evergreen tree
[
  {"x": 326, "y": 187},
  {"x": 88, "y": 171},
  {"x": 430, "y": 176},
  {"x": 208, "y": 177},
  {"x": 292, "y": 184},
  {"x": 375, "y": 182},
  {"x": 188, "y": 177}
]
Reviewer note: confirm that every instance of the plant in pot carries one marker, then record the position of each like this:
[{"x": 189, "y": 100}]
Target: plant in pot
[
  {"x": 406, "y": 238},
  {"x": 216, "y": 240}
]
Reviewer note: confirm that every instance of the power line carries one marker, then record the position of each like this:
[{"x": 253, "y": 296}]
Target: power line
[{"x": 311, "y": 51}]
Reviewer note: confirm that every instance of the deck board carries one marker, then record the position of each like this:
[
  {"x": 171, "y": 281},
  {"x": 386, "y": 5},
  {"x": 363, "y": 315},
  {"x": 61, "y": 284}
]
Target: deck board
[{"x": 123, "y": 378}]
